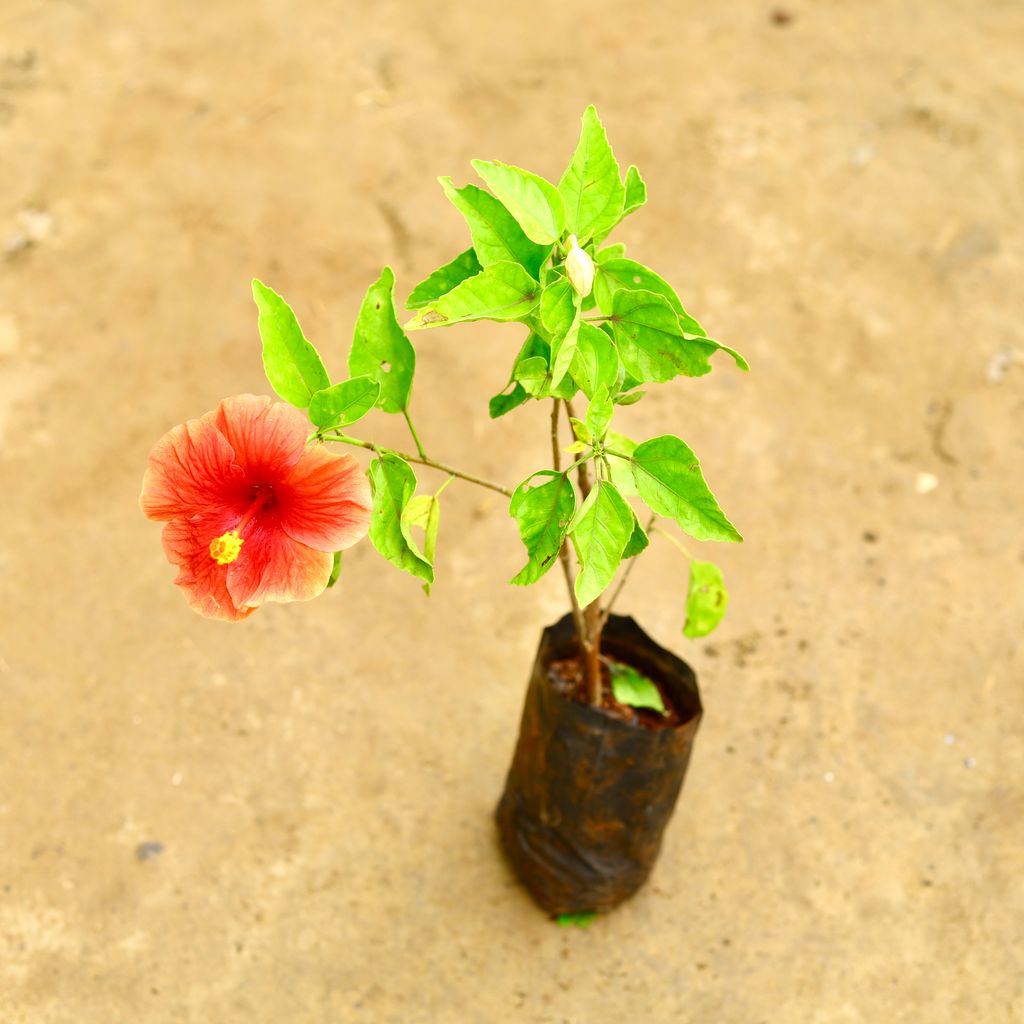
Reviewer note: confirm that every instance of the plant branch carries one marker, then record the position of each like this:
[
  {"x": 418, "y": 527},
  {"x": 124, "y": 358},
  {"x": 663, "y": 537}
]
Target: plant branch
[
  {"x": 563, "y": 551},
  {"x": 415, "y": 436},
  {"x": 625, "y": 576},
  {"x": 678, "y": 544},
  {"x": 419, "y": 460}
]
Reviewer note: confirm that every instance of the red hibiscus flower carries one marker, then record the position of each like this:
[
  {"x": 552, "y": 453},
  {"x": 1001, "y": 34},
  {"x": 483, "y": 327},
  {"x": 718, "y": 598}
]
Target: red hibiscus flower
[{"x": 253, "y": 514}]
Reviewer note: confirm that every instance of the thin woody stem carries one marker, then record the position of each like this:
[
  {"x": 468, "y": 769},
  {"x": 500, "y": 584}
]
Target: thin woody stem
[
  {"x": 563, "y": 552},
  {"x": 625, "y": 575},
  {"x": 419, "y": 460},
  {"x": 592, "y": 624}
]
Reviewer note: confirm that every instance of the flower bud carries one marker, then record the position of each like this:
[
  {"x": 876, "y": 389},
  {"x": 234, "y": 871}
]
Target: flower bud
[{"x": 579, "y": 268}]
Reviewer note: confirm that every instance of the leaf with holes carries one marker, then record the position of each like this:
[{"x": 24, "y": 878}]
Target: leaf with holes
[
  {"x": 393, "y": 483},
  {"x": 496, "y": 234},
  {"x": 615, "y": 274},
  {"x": 590, "y": 188},
  {"x": 670, "y": 482},
  {"x": 600, "y": 532},
  {"x": 293, "y": 366},
  {"x": 534, "y": 202},
  {"x": 543, "y": 513},
  {"x": 380, "y": 348},
  {"x": 444, "y": 279},
  {"x": 344, "y": 403},
  {"x": 706, "y": 600}
]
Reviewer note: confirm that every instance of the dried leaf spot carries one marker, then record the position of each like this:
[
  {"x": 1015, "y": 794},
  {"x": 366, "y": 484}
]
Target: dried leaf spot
[{"x": 433, "y": 317}]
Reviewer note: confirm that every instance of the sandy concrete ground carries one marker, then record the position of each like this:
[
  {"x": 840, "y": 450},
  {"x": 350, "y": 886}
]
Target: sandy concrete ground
[{"x": 841, "y": 197}]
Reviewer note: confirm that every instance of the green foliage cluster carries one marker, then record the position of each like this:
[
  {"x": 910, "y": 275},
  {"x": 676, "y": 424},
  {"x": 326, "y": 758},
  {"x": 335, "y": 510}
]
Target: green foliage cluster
[{"x": 602, "y": 344}]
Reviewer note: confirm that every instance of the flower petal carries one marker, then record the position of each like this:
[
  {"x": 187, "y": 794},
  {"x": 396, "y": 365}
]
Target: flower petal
[
  {"x": 268, "y": 437},
  {"x": 273, "y": 567},
  {"x": 203, "y": 581},
  {"x": 326, "y": 501},
  {"x": 191, "y": 469}
]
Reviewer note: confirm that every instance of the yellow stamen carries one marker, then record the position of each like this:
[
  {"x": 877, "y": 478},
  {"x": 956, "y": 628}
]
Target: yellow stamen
[{"x": 226, "y": 547}]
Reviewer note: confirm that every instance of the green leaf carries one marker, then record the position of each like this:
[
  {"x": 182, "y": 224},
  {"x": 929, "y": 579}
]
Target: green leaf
[
  {"x": 501, "y": 291},
  {"x": 444, "y": 279},
  {"x": 621, "y": 469},
  {"x": 379, "y": 347},
  {"x": 633, "y": 688},
  {"x": 557, "y": 308},
  {"x": 737, "y": 358},
  {"x": 344, "y": 403},
  {"x": 600, "y": 532},
  {"x": 496, "y": 234},
  {"x": 650, "y": 341},
  {"x": 560, "y": 315},
  {"x": 599, "y": 413},
  {"x": 580, "y": 430},
  {"x": 532, "y": 373},
  {"x": 590, "y": 187},
  {"x": 610, "y": 252},
  {"x": 423, "y": 511},
  {"x": 543, "y": 514},
  {"x": 563, "y": 349},
  {"x": 578, "y": 920},
  {"x": 636, "y": 191},
  {"x": 630, "y": 398},
  {"x": 670, "y": 482},
  {"x": 394, "y": 482},
  {"x": 335, "y": 570},
  {"x": 706, "y": 599},
  {"x": 507, "y": 400},
  {"x": 534, "y": 202},
  {"x": 622, "y": 273},
  {"x": 595, "y": 361},
  {"x": 293, "y": 366},
  {"x": 638, "y": 540}
]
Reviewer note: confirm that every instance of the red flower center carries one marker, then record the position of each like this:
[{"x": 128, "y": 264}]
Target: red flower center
[{"x": 227, "y": 547}]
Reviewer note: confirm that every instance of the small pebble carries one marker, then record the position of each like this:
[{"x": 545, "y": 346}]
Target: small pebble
[
  {"x": 999, "y": 364},
  {"x": 148, "y": 850},
  {"x": 926, "y": 483},
  {"x": 829, "y": 776},
  {"x": 969, "y": 762},
  {"x": 949, "y": 739},
  {"x": 176, "y": 779}
]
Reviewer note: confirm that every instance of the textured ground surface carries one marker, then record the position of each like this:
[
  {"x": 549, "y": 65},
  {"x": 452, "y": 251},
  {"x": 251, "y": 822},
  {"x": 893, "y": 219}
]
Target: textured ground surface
[{"x": 840, "y": 196}]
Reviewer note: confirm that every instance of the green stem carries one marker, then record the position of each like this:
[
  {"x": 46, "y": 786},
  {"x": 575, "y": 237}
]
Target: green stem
[
  {"x": 419, "y": 460},
  {"x": 629, "y": 568},
  {"x": 672, "y": 540},
  {"x": 415, "y": 436}
]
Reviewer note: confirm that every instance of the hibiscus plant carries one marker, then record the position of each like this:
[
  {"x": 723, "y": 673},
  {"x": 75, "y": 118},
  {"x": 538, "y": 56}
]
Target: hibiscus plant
[{"x": 258, "y": 508}]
